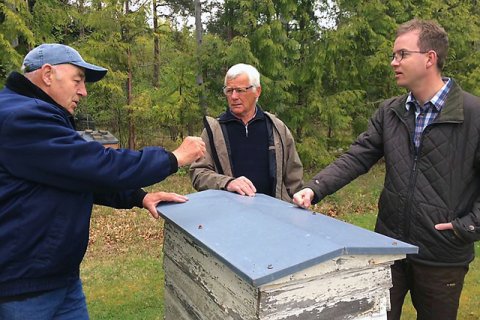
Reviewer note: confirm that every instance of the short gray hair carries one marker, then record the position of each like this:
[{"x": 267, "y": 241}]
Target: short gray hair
[{"x": 242, "y": 68}]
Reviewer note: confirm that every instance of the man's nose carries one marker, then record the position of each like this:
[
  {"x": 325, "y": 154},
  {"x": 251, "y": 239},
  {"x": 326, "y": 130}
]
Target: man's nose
[{"x": 82, "y": 91}]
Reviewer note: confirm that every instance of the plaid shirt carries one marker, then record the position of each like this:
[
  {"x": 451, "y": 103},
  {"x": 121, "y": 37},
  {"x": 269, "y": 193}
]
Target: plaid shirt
[{"x": 424, "y": 115}]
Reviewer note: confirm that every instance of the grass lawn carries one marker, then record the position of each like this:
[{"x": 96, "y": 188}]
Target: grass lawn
[{"x": 122, "y": 271}]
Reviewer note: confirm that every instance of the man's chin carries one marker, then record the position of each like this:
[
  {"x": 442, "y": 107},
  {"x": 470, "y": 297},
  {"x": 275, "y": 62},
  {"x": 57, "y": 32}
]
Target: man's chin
[
  {"x": 401, "y": 83},
  {"x": 236, "y": 109}
]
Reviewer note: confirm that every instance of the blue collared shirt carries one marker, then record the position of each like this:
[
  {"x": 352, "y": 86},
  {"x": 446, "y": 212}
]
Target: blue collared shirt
[{"x": 424, "y": 115}]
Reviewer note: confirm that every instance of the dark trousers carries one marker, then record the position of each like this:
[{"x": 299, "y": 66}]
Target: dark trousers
[{"x": 435, "y": 291}]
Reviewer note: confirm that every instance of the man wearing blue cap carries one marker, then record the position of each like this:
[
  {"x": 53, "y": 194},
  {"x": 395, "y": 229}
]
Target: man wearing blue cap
[{"x": 50, "y": 178}]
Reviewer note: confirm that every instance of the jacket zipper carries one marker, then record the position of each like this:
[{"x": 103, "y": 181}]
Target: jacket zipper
[
  {"x": 412, "y": 179},
  {"x": 413, "y": 182},
  {"x": 408, "y": 209}
]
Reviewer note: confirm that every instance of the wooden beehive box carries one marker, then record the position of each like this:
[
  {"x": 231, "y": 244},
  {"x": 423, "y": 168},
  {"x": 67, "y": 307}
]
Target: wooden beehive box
[
  {"x": 104, "y": 137},
  {"x": 228, "y": 256}
]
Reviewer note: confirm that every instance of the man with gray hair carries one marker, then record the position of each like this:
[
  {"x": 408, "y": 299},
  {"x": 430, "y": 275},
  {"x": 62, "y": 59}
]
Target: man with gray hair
[
  {"x": 50, "y": 177},
  {"x": 248, "y": 150}
]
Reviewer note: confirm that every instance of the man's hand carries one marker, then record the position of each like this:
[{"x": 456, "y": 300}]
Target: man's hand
[
  {"x": 191, "y": 149},
  {"x": 151, "y": 200},
  {"x": 243, "y": 186},
  {"x": 303, "y": 198}
]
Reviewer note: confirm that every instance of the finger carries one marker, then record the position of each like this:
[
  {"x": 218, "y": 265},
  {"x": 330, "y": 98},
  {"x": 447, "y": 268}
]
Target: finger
[
  {"x": 201, "y": 149},
  {"x": 174, "y": 197},
  {"x": 301, "y": 200},
  {"x": 153, "y": 211},
  {"x": 300, "y": 203},
  {"x": 296, "y": 201},
  {"x": 250, "y": 186},
  {"x": 444, "y": 226},
  {"x": 249, "y": 191},
  {"x": 246, "y": 186},
  {"x": 306, "y": 202},
  {"x": 239, "y": 190}
]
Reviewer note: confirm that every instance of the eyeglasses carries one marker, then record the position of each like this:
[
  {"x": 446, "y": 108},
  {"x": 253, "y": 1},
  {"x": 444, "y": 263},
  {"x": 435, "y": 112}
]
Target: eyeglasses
[
  {"x": 399, "y": 55},
  {"x": 229, "y": 91}
]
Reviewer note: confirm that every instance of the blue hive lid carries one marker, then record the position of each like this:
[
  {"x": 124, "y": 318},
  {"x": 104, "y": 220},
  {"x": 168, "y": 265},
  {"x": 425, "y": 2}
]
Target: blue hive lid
[{"x": 264, "y": 239}]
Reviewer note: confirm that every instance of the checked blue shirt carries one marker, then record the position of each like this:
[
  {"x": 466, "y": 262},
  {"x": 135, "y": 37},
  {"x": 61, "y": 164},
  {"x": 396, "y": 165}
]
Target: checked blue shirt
[{"x": 424, "y": 115}]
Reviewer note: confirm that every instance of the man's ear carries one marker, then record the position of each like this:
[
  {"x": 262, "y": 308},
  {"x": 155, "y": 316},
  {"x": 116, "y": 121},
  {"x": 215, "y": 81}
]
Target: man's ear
[
  {"x": 432, "y": 59},
  {"x": 47, "y": 74},
  {"x": 259, "y": 91}
]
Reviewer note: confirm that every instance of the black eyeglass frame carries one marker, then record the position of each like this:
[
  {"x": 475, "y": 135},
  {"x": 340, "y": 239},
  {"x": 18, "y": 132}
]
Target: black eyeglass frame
[{"x": 401, "y": 54}]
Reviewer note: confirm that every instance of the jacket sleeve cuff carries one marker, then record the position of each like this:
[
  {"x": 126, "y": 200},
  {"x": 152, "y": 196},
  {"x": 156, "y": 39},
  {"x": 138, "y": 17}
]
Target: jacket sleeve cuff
[
  {"x": 137, "y": 197},
  {"x": 173, "y": 163},
  {"x": 227, "y": 183},
  {"x": 468, "y": 232},
  {"x": 316, "y": 196}
]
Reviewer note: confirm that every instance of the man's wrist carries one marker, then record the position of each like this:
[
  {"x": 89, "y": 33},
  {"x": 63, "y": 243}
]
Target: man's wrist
[{"x": 228, "y": 182}]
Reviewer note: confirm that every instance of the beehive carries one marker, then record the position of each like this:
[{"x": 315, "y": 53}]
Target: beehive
[
  {"x": 228, "y": 256},
  {"x": 102, "y": 136}
]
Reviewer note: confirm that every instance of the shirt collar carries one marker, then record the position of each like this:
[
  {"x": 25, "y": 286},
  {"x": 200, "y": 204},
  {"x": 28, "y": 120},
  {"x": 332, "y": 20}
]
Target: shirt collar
[
  {"x": 438, "y": 100},
  {"x": 229, "y": 116}
]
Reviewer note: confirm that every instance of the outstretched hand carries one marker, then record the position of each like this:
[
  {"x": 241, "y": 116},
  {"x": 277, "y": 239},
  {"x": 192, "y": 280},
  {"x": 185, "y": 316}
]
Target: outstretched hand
[
  {"x": 152, "y": 199},
  {"x": 191, "y": 149}
]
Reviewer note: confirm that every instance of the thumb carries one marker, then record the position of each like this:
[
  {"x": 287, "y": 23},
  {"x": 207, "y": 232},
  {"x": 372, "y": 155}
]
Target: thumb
[
  {"x": 153, "y": 210},
  {"x": 444, "y": 226}
]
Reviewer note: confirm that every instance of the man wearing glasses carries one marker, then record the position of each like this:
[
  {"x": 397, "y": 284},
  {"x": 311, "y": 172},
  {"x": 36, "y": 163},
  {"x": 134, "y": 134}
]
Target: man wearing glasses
[
  {"x": 430, "y": 140},
  {"x": 249, "y": 150}
]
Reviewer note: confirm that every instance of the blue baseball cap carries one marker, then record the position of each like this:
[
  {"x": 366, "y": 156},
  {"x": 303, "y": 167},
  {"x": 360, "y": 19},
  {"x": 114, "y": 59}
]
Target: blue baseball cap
[{"x": 55, "y": 53}]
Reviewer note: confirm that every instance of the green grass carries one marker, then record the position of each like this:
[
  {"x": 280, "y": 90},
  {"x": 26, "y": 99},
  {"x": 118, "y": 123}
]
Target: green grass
[
  {"x": 122, "y": 271},
  {"x": 125, "y": 287}
]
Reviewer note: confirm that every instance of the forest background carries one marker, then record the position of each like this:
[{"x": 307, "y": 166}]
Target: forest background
[{"x": 325, "y": 64}]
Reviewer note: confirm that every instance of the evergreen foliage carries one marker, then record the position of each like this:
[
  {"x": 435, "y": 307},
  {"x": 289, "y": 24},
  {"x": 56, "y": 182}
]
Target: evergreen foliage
[{"x": 325, "y": 64}]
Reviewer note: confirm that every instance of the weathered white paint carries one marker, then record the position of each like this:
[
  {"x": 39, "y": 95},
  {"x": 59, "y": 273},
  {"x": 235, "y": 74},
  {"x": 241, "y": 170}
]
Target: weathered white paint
[
  {"x": 337, "y": 265},
  {"x": 323, "y": 293},
  {"x": 199, "y": 286},
  {"x": 190, "y": 272}
]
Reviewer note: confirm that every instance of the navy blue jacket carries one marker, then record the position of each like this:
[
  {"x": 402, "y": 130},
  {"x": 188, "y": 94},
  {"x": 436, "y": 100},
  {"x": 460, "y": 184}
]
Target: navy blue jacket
[{"x": 49, "y": 180}]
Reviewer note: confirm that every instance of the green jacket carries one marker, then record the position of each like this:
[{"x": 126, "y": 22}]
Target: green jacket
[{"x": 205, "y": 173}]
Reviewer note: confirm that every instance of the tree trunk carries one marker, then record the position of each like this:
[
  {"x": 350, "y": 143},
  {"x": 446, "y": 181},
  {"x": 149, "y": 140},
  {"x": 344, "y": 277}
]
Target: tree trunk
[
  {"x": 199, "y": 34},
  {"x": 131, "y": 122},
  {"x": 81, "y": 10},
  {"x": 156, "y": 46},
  {"x": 14, "y": 42}
]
